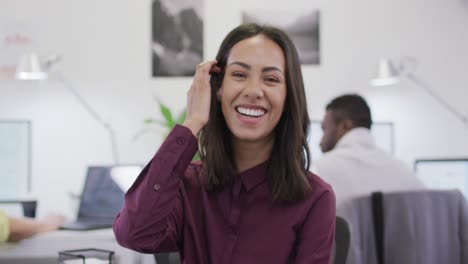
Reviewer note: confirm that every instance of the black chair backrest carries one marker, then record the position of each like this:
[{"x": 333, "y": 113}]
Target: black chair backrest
[
  {"x": 410, "y": 225},
  {"x": 378, "y": 217},
  {"x": 167, "y": 258},
  {"x": 342, "y": 240}
]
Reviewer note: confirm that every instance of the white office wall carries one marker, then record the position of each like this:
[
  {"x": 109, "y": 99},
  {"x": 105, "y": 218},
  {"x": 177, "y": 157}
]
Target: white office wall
[{"x": 105, "y": 49}]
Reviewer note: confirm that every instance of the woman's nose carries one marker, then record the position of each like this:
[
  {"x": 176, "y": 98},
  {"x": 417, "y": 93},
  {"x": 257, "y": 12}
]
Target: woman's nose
[{"x": 254, "y": 89}]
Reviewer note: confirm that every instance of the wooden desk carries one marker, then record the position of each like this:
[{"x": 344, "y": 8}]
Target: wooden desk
[{"x": 44, "y": 248}]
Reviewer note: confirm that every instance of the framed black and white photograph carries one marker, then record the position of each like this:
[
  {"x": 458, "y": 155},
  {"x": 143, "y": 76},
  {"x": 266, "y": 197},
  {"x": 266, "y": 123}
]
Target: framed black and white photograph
[
  {"x": 177, "y": 37},
  {"x": 302, "y": 26}
]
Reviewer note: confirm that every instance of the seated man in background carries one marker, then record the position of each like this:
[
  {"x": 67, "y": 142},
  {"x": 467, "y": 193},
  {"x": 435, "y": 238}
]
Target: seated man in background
[
  {"x": 352, "y": 163},
  {"x": 15, "y": 229}
]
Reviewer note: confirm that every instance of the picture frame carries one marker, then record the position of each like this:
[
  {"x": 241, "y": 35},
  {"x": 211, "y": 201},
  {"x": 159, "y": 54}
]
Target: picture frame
[
  {"x": 301, "y": 25},
  {"x": 177, "y": 37}
]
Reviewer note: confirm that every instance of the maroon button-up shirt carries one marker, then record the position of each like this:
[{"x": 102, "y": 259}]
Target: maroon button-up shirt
[{"x": 168, "y": 209}]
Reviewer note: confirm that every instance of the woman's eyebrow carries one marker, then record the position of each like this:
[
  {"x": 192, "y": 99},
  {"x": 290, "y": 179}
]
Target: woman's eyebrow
[
  {"x": 272, "y": 68},
  {"x": 248, "y": 67},
  {"x": 242, "y": 64}
]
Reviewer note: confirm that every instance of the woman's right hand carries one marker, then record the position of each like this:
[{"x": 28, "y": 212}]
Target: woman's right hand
[{"x": 199, "y": 97}]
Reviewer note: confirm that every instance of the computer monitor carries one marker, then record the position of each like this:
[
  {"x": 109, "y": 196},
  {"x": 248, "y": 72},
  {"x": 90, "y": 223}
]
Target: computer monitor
[
  {"x": 443, "y": 173},
  {"x": 102, "y": 196}
]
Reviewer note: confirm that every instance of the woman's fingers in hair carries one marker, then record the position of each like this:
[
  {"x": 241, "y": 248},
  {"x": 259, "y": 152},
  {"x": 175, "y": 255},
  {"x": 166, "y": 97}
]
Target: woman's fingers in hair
[
  {"x": 199, "y": 97},
  {"x": 215, "y": 69}
]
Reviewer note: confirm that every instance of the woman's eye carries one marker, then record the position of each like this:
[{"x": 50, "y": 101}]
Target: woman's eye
[
  {"x": 238, "y": 75},
  {"x": 271, "y": 79}
]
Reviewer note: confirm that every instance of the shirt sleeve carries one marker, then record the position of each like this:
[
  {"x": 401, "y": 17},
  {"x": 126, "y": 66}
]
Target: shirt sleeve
[
  {"x": 151, "y": 218},
  {"x": 4, "y": 227},
  {"x": 317, "y": 235}
]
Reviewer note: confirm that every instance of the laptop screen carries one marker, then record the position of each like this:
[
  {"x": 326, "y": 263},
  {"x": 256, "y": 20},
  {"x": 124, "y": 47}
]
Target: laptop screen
[{"x": 102, "y": 198}]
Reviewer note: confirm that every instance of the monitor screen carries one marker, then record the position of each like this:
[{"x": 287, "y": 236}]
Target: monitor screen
[
  {"x": 443, "y": 174},
  {"x": 102, "y": 196}
]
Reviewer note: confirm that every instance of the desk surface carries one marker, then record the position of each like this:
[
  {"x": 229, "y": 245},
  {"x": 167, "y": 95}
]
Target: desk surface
[{"x": 44, "y": 248}]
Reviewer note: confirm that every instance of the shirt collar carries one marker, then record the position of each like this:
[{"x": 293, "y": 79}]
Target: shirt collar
[
  {"x": 254, "y": 176},
  {"x": 358, "y": 136}
]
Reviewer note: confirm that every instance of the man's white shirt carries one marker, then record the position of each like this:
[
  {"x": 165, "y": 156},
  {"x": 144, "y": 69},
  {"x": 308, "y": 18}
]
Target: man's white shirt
[{"x": 357, "y": 167}]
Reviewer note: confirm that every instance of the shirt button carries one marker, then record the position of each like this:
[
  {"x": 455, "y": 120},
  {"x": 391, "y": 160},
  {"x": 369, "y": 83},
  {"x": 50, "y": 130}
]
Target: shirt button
[
  {"x": 180, "y": 140},
  {"x": 232, "y": 236},
  {"x": 157, "y": 187},
  {"x": 233, "y": 231}
]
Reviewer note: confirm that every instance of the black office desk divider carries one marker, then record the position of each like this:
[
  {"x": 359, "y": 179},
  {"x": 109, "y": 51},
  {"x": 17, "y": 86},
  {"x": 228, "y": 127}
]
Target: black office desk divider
[{"x": 86, "y": 253}]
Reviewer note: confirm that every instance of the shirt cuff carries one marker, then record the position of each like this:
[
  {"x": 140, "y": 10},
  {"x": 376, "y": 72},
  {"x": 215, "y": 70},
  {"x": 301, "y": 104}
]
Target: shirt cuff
[{"x": 179, "y": 148}]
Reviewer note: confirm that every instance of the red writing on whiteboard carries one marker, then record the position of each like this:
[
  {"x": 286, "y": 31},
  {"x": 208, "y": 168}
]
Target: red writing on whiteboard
[
  {"x": 17, "y": 39},
  {"x": 7, "y": 69}
]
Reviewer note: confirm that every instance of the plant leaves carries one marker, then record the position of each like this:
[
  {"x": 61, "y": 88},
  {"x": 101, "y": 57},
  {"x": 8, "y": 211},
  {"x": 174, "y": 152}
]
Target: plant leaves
[
  {"x": 155, "y": 121},
  {"x": 166, "y": 112},
  {"x": 168, "y": 122},
  {"x": 151, "y": 121}
]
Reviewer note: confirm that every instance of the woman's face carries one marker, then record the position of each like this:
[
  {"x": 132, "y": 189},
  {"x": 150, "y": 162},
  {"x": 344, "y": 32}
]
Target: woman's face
[{"x": 253, "y": 91}]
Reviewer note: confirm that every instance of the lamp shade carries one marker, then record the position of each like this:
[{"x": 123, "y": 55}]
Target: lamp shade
[
  {"x": 30, "y": 68},
  {"x": 386, "y": 74}
]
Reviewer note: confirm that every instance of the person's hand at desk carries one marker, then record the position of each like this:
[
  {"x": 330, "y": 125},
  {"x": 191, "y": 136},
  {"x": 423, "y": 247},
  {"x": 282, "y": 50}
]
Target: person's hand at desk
[{"x": 18, "y": 228}]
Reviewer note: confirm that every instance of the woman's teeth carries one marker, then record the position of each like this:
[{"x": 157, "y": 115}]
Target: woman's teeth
[{"x": 251, "y": 112}]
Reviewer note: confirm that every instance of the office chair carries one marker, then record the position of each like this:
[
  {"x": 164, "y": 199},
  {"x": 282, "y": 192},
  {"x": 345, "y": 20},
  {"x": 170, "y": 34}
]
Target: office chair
[
  {"x": 167, "y": 258},
  {"x": 428, "y": 227},
  {"x": 342, "y": 240}
]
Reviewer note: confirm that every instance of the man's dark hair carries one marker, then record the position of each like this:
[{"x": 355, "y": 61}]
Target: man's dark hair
[
  {"x": 289, "y": 161},
  {"x": 353, "y": 107}
]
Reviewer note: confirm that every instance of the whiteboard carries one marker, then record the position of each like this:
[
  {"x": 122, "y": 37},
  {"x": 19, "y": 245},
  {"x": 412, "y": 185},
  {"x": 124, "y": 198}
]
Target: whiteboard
[
  {"x": 382, "y": 132},
  {"x": 15, "y": 158}
]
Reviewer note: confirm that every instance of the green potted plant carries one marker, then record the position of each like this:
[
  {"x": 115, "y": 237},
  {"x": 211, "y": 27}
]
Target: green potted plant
[{"x": 168, "y": 121}]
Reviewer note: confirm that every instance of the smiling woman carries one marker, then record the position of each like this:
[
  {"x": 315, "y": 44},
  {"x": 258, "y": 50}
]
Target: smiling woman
[{"x": 251, "y": 199}]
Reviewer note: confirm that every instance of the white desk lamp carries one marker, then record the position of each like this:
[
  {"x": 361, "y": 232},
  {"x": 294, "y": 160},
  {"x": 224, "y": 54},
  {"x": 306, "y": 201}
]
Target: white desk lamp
[
  {"x": 31, "y": 68},
  {"x": 388, "y": 74}
]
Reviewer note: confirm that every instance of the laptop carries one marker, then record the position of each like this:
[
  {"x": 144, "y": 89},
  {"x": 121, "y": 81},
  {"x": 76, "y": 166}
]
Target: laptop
[{"x": 102, "y": 197}]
